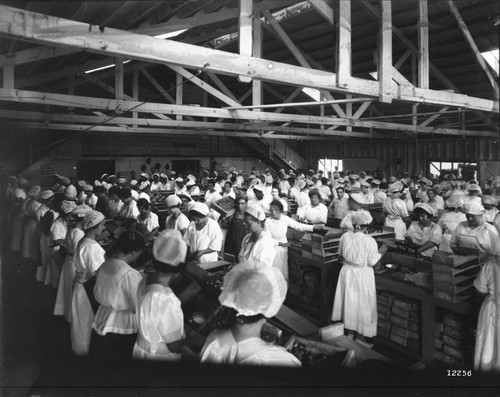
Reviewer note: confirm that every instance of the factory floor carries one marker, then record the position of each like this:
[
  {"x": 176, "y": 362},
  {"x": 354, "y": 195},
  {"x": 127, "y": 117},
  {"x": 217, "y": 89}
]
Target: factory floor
[{"x": 36, "y": 359}]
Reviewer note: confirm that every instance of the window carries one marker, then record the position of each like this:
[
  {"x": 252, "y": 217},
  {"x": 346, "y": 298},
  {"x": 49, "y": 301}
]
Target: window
[
  {"x": 467, "y": 170},
  {"x": 329, "y": 165}
]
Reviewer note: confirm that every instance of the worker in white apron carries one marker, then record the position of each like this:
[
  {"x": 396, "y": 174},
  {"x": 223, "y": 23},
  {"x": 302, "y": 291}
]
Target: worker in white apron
[{"x": 396, "y": 210}]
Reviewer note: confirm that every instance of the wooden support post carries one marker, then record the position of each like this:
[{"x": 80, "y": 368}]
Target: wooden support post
[
  {"x": 119, "y": 78},
  {"x": 178, "y": 93},
  {"x": 348, "y": 111},
  {"x": 8, "y": 76},
  {"x": 245, "y": 36},
  {"x": 385, "y": 53},
  {"x": 473, "y": 46},
  {"x": 423, "y": 45},
  {"x": 135, "y": 89},
  {"x": 343, "y": 44},
  {"x": 257, "y": 92}
]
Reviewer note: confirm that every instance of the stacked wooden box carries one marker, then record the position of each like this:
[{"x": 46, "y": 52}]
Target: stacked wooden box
[
  {"x": 322, "y": 248},
  {"x": 296, "y": 273},
  {"x": 453, "y": 276},
  {"x": 454, "y": 341},
  {"x": 399, "y": 320}
]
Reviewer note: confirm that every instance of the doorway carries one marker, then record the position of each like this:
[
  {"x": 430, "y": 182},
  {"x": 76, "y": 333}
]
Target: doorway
[{"x": 186, "y": 167}]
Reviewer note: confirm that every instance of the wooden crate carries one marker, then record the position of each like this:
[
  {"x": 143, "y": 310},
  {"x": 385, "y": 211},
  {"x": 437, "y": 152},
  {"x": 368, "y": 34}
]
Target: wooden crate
[
  {"x": 399, "y": 321},
  {"x": 456, "y": 334},
  {"x": 400, "y": 340},
  {"x": 383, "y": 324},
  {"x": 383, "y": 332},
  {"x": 399, "y": 331}
]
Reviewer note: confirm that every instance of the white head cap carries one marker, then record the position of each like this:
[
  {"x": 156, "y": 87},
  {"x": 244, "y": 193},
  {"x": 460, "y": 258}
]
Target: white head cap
[
  {"x": 253, "y": 288},
  {"x": 173, "y": 201},
  {"x": 473, "y": 208},
  {"x": 361, "y": 217},
  {"x": 200, "y": 208},
  {"x": 93, "y": 218},
  {"x": 170, "y": 248},
  {"x": 257, "y": 212},
  {"x": 426, "y": 207}
]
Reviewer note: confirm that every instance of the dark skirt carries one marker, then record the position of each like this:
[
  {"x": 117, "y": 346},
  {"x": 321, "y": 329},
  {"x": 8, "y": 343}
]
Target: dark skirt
[{"x": 114, "y": 350}]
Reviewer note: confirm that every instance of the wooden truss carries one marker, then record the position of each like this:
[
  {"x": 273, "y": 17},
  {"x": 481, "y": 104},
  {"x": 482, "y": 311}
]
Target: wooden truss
[{"x": 59, "y": 37}]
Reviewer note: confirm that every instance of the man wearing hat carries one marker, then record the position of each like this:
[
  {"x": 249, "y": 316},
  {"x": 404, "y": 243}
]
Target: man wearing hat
[
  {"x": 203, "y": 236},
  {"x": 424, "y": 236},
  {"x": 339, "y": 207},
  {"x": 353, "y": 181},
  {"x": 366, "y": 194}
]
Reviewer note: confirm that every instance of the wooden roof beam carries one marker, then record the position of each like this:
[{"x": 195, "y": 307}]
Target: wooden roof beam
[
  {"x": 50, "y": 30},
  {"x": 63, "y": 100},
  {"x": 472, "y": 44}
]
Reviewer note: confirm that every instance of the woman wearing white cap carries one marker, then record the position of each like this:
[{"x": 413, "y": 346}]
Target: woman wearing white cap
[
  {"x": 474, "y": 194},
  {"x": 475, "y": 233},
  {"x": 424, "y": 235},
  {"x": 155, "y": 184},
  {"x": 192, "y": 188},
  {"x": 159, "y": 312},
  {"x": 487, "y": 283},
  {"x": 176, "y": 220},
  {"x": 88, "y": 257},
  {"x": 115, "y": 203},
  {"x": 450, "y": 220},
  {"x": 57, "y": 237},
  {"x": 355, "y": 302},
  {"x": 147, "y": 221},
  {"x": 355, "y": 203},
  {"x": 489, "y": 204},
  {"x": 31, "y": 239},
  {"x": 62, "y": 306},
  {"x": 260, "y": 199},
  {"x": 257, "y": 244},
  {"x": 302, "y": 197},
  {"x": 396, "y": 210},
  {"x": 256, "y": 292},
  {"x": 180, "y": 188},
  {"x": 115, "y": 324},
  {"x": 203, "y": 236},
  {"x": 129, "y": 209},
  {"x": 277, "y": 226}
]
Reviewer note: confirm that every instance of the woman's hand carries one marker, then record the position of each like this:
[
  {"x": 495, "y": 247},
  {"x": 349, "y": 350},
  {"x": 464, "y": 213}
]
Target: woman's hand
[{"x": 282, "y": 244}]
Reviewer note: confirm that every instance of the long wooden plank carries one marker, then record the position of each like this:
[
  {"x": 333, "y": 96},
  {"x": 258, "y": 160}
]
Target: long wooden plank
[
  {"x": 21, "y": 96},
  {"x": 466, "y": 33},
  {"x": 57, "y": 31},
  {"x": 423, "y": 44},
  {"x": 296, "y": 322},
  {"x": 385, "y": 53}
]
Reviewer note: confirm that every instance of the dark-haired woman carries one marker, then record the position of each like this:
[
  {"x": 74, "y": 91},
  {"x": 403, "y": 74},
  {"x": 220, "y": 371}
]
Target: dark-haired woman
[
  {"x": 115, "y": 323},
  {"x": 88, "y": 257},
  {"x": 161, "y": 320},
  {"x": 115, "y": 203},
  {"x": 277, "y": 226},
  {"x": 147, "y": 221},
  {"x": 316, "y": 212},
  {"x": 257, "y": 245},
  {"x": 129, "y": 209}
]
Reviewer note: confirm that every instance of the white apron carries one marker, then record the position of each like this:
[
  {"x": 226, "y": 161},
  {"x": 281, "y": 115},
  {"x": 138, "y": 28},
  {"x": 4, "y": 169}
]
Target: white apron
[
  {"x": 355, "y": 301},
  {"x": 398, "y": 225},
  {"x": 82, "y": 318},
  {"x": 62, "y": 306},
  {"x": 281, "y": 260}
]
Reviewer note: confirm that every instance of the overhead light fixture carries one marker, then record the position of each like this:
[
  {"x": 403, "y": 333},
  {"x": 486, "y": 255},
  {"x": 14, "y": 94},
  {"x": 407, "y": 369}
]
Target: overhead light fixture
[{"x": 106, "y": 67}]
